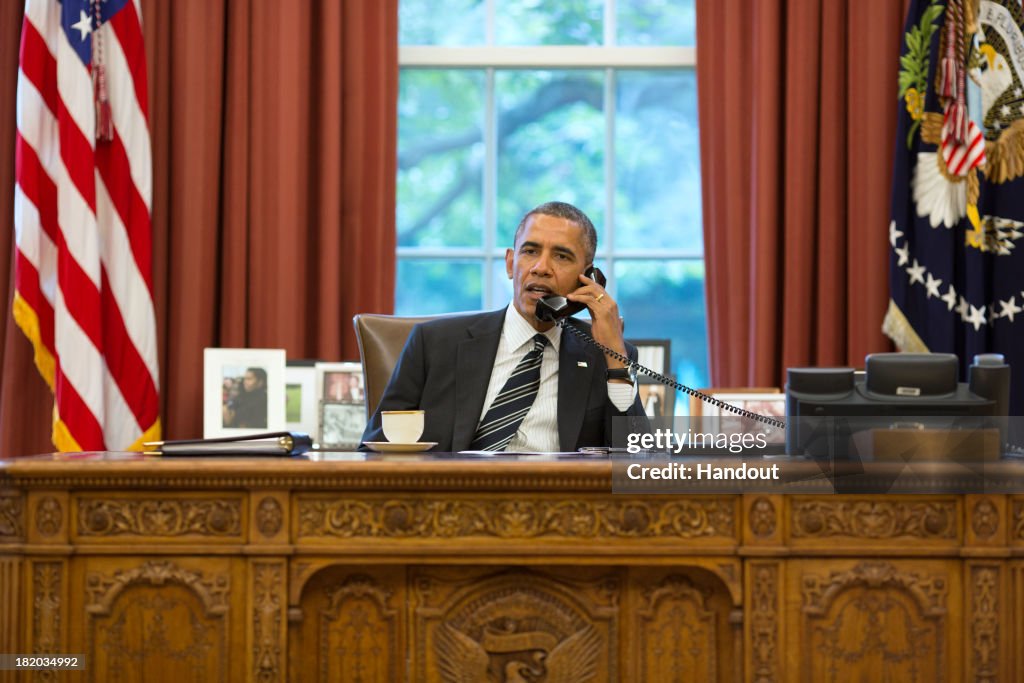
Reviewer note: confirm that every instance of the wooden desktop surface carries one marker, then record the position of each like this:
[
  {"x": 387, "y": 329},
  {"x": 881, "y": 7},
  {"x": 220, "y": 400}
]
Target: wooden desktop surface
[{"x": 413, "y": 568}]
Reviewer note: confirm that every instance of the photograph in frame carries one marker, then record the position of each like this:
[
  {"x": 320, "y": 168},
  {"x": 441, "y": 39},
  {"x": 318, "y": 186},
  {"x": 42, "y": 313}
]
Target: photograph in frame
[
  {"x": 342, "y": 382},
  {"x": 699, "y": 407},
  {"x": 654, "y": 354},
  {"x": 341, "y": 425},
  {"x": 657, "y": 399},
  {"x": 770, "y": 403},
  {"x": 243, "y": 391},
  {"x": 300, "y": 393}
]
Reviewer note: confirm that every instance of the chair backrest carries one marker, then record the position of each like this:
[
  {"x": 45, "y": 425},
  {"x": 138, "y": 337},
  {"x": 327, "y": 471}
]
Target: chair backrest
[{"x": 381, "y": 339}]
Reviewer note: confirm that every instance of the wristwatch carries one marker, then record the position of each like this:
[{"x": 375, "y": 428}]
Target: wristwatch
[{"x": 627, "y": 373}]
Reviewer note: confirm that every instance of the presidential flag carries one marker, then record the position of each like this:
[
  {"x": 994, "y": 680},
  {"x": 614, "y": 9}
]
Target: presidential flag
[
  {"x": 956, "y": 263},
  {"x": 83, "y": 277}
]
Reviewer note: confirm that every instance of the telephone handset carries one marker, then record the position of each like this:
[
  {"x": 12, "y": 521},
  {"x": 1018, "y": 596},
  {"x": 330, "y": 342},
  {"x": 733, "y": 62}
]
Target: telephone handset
[
  {"x": 551, "y": 308},
  {"x": 557, "y": 308}
]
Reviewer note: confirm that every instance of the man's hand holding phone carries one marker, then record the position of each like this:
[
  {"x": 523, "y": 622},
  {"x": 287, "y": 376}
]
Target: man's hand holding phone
[{"x": 604, "y": 314}]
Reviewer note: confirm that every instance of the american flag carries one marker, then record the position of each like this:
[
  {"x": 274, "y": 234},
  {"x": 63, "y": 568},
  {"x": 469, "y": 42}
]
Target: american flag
[{"x": 83, "y": 277}]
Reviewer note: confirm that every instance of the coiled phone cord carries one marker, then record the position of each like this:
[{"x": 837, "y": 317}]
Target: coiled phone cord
[{"x": 774, "y": 422}]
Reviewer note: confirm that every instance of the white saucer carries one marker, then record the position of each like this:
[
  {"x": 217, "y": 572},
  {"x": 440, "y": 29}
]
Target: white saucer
[{"x": 388, "y": 447}]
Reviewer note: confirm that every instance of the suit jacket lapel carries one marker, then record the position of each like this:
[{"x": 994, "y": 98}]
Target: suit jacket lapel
[
  {"x": 473, "y": 363},
  {"x": 573, "y": 388}
]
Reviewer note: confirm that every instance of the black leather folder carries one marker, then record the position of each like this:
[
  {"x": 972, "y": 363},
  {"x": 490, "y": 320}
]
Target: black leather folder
[{"x": 284, "y": 444}]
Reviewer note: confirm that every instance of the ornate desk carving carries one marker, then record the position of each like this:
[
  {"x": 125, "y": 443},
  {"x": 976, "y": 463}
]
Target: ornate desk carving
[{"x": 420, "y": 569}]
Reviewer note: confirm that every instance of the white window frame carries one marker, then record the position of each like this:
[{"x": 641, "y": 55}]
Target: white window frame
[{"x": 490, "y": 58}]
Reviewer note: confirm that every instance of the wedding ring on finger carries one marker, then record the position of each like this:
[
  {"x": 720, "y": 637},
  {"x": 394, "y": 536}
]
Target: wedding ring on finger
[{"x": 598, "y": 299}]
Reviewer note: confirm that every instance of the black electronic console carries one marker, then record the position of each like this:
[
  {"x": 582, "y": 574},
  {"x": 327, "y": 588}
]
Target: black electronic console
[{"x": 827, "y": 407}]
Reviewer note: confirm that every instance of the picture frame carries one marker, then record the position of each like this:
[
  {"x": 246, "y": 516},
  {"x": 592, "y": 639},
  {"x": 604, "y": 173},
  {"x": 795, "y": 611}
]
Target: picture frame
[
  {"x": 657, "y": 399},
  {"x": 654, "y": 354},
  {"x": 301, "y": 403},
  {"x": 243, "y": 391},
  {"x": 730, "y": 394},
  {"x": 341, "y": 425},
  {"x": 339, "y": 383},
  {"x": 342, "y": 382},
  {"x": 770, "y": 401}
]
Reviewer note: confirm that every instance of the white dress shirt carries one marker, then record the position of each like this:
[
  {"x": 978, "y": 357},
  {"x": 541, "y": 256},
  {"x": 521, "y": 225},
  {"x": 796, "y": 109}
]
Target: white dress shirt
[{"x": 538, "y": 431}]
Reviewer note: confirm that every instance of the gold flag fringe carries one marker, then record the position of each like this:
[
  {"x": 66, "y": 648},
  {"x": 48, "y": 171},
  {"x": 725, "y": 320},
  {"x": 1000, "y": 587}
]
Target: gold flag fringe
[{"x": 898, "y": 328}]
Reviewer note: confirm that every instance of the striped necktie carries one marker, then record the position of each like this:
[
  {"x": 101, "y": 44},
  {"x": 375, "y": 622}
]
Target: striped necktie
[{"x": 512, "y": 403}]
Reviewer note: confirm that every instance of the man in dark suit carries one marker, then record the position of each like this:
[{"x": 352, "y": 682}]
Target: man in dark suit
[{"x": 505, "y": 380}]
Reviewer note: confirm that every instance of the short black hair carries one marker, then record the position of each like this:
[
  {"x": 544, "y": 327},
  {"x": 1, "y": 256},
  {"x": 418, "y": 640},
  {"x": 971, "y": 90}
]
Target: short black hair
[
  {"x": 259, "y": 373},
  {"x": 569, "y": 213}
]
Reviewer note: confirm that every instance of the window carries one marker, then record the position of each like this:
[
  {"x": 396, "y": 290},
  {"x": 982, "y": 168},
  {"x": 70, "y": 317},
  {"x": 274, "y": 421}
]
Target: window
[{"x": 505, "y": 104}]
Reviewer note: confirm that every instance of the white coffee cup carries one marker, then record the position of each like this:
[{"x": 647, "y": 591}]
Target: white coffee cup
[{"x": 402, "y": 426}]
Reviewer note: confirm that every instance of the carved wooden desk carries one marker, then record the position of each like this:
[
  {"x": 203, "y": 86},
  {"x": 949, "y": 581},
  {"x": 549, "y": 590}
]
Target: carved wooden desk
[{"x": 409, "y": 569}]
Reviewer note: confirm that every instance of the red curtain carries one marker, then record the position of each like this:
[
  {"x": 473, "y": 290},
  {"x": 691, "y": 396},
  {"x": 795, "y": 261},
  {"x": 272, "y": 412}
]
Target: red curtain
[
  {"x": 797, "y": 105},
  {"x": 274, "y": 144}
]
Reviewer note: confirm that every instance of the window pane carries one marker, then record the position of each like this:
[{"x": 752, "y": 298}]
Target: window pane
[
  {"x": 441, "y": 22},
  {"x": 551, "y": 144},
  {"x": 665, "y": 299},
  {"x": 655, "y": 22},
  {"x": 501, "y": 285},
  {"x": 549, "y": 22},
  {"x": 440, "y": 158},
  {"x": 657, "y": 161},
  {"x": 428, "y": 286}
]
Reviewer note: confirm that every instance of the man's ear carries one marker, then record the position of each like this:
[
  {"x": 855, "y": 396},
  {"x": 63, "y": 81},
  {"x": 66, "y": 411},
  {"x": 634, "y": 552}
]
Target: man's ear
[{"x": 509, "y": 257}]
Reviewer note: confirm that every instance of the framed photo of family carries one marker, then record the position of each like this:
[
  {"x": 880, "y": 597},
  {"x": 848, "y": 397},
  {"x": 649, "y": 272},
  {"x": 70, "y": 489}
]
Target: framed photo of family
[
  {"x": 341, "y": 396},
  {"x": 342, "y": 382},
  {"x": 243, "y": 391}
]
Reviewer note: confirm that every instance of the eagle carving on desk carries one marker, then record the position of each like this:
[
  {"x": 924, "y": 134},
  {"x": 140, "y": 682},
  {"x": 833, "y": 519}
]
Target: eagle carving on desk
[{"x": 507, "y": 655}]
